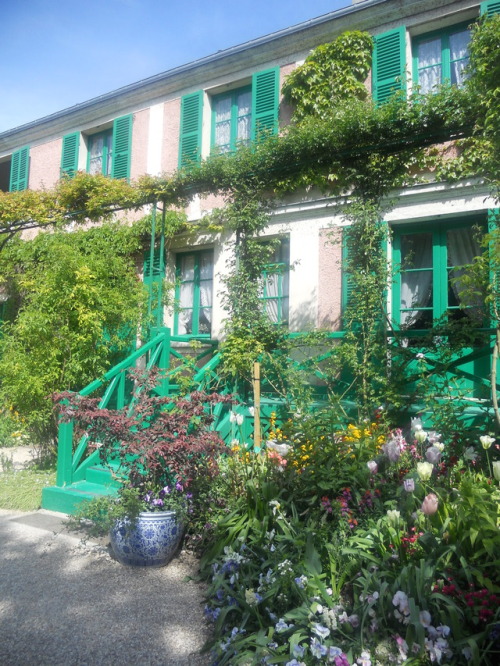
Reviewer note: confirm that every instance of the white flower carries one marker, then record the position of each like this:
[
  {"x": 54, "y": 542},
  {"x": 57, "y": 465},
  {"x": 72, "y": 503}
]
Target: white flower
[
  {"x": 393, "y": 516},
  {"x": 470, "y": 454},
  {"x": 420, "y": 436},
  {"x": 252, "y": 411},
  {"x": 486, "y": 441},
  {"x": 416, "y": 424},
  {"x": 496, "y": 469},
  {"x": 424, "y": 470},
  {"x": 372, "y": 466},
  {"x": 239, "y": 419},
  {"x": 232, "y": 417}
]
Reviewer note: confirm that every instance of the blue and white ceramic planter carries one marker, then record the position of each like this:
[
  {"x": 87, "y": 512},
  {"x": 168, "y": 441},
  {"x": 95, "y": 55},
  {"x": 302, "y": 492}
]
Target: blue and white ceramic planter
[{"x": 150, "y": 542}]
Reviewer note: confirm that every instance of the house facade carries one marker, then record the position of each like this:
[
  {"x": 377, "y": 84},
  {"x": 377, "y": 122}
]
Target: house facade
[{"x": 159, "y": 124}]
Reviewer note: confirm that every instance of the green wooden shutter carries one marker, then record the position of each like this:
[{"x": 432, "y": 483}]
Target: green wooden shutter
[
  {"x": 265, "y": 102},
  {"x": 346, "y": 278},
  {"x": 490, "y": 7},
  {"x": 19, "y": 168},
  {"x": 152, "y": 279},
  {"x": 69, "y": 158},
  {"x": 122, "y": 144},
  {"x": 494, "y": 258},
  {"x": 389, "y": 64},
  {"x": 190, "y": 132}
]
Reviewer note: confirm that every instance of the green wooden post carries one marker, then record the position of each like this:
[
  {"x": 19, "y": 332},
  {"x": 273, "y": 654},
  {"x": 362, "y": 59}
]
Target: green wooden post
[
  {"x": 64, "y": 475},
  {"x": 164, "y": 362},
  {"x": 120, "y": 398},
  {"x": 151, "y": 260},
  {"x": 159, "y": 310}
]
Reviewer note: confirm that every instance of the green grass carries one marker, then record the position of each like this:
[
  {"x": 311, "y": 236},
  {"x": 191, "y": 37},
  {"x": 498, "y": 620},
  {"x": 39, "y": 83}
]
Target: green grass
[{"x": 22, "y": 490}]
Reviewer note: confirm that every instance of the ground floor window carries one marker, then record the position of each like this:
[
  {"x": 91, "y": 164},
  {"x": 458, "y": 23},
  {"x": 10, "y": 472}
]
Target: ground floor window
[
  {"x": 427, "y": 285},
  {"x": 194, "y": 273},
  {"x": 275, "y": 284}
]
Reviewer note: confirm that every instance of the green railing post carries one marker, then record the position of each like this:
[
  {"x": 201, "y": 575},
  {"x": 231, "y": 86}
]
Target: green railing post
[
  {"x": 164, "y": 362},
  {"x": 64, "y": 476}
]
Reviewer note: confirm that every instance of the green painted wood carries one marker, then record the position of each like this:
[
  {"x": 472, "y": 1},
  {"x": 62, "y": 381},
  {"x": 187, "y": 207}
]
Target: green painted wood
[
  {"x": 490, "y": 8},
  {"x": 65, "y": 454},
  {"x": 389, "y": 64},
  {"x": 190, "y": 130},
  {"x": 69, "y": 156},
  {"x": 19, "y": 169},
  {"x": 122, "y": 147},
  {"x": 265, "y": 103}
]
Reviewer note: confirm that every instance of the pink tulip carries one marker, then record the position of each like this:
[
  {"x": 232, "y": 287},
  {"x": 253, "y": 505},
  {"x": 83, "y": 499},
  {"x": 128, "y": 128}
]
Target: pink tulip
[{"x": 430, "y": 504}]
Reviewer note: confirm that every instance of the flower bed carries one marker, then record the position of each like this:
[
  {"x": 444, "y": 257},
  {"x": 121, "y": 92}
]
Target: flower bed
[{"x": 358, "y": 545}]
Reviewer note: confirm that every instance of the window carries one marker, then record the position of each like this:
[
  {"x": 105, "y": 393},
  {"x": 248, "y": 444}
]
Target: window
[
  {"x": 194, "y": 293},
  {"x": 109, "y": 152},
  {"x": 426, "y": 287},
  {"x": 238, "y": 117},
  {"x": 100, "y": 152},
  {"x": 275, "y": 284},
  {"x": 231, "y": 119},
  {"x": 441, "y": 56}
]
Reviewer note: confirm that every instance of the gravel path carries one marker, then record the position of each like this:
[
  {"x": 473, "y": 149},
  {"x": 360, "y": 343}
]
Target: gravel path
[{"x": 66, "y": 602}]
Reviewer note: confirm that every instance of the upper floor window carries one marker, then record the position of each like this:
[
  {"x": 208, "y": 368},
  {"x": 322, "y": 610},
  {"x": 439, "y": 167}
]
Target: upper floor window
[
  {"x": 238, "y": 117},
  {"x": 427, "y": 286},
  {"x": 100, "y": 153},
  {"x": 194, "y": 293},
  {"x": 231, "y": 119},
  {"x": 441, "y": 57}
]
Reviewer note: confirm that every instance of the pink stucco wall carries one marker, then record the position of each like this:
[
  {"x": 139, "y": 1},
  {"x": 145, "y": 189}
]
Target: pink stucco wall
[
  {"x": 171, "y": 129},
  {"x": 45, "y": 165},
  {"x": 140, "y": 129},
  {"x": 285, "y": 109},
  {"x": 329, "y": 279}
]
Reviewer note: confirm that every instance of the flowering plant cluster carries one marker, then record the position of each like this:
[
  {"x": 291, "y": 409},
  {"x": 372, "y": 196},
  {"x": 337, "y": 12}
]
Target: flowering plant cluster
[{"x": 345, "y": 557}]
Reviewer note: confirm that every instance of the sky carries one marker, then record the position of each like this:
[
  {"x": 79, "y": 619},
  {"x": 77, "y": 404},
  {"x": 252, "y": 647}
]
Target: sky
[{"x": 58, "y": 53}]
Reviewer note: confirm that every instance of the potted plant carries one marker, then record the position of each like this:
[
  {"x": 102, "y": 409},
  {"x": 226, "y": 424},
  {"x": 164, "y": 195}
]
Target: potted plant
[{"x": 164, "y": 454}]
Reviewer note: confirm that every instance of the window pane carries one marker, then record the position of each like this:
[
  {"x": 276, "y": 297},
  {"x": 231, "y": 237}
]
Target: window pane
[
  {"x": 459, "y": 56},
  {"x": 416, "y": 251},
  {"x": 429, "y": 64},
  {"x": 205, "y": 321},
  {"x": 223, "y": 135},
  {"x": 459, "y": 43},
  {"x": 206, "y": 266},
  {"x": 223, "y": 109},
  {"x": 244, "y": 103},
  {"x": 185, "y": 324},
  {"x": 462, "y": 247},
  {"x": 416, "y": 281},
  {"x": 243, "y": 130},
  {"x": 429, "y": 53},
  {"x": 96, "y": 145},
  {"x": 187, "y": 267},
  {"x": 186, "y": 295}
]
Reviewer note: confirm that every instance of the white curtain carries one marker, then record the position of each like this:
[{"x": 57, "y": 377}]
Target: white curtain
[
  {"x": 223, "y": 123},
  {"x": 429, "y": 64},
  {"x": 462, "y": 248},
  {"x": 272, "y": 293},
  {"x": 459, "y": 43},
  {"x": 244, "y": 102},
  {"x": 416, "y": 285}
]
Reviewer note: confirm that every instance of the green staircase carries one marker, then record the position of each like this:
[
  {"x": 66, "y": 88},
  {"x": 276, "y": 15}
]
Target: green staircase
[{"x": 80, "y": 474}]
